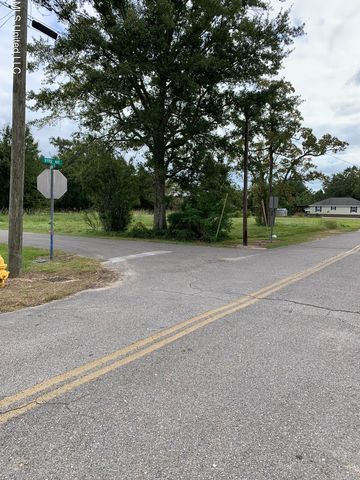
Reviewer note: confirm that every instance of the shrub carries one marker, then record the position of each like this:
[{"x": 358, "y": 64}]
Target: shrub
[
  {"x": 330, "y": 224},
  {"x": 92, "y": 220},
  {"x": 110, "y": 183},
  {"x": 198, "y": 223},
  {"x": 139, "y": 230}
]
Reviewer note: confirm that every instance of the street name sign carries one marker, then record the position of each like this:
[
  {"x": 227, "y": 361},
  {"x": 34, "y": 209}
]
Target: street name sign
[{"x": 52, "y": 161}]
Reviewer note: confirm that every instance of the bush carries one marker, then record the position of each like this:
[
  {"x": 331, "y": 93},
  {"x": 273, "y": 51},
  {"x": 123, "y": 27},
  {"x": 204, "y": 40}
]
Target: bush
[
  {"x": 196, "y": 223},
  {"x": 330, "y": 224},
  {"x": 139, "y": 230},
  {"x": 110, "y": 183},
  {"x": 92, "y": 220}
]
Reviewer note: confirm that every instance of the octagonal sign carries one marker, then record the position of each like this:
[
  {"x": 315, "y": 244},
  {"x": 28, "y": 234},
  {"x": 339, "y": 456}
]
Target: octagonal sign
[{"x": 44, "y": 183}]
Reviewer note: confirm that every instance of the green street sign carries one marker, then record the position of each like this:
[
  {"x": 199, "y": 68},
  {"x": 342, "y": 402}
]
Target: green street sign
[{"x": 54, "y": 162}]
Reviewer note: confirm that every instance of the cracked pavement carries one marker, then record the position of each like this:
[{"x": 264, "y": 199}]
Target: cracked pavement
[{"x": 268, "y": 392}]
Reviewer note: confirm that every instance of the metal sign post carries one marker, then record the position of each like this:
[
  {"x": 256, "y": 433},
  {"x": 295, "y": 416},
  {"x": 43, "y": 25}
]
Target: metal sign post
[
  {"x": 52, "y": 205},
  {"x": 52, "y": 184},
  {"x": 273, "y": 205}
]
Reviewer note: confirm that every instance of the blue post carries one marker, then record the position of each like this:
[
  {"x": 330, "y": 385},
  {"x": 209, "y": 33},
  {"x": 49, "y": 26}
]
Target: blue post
[{"x": 51, "y": 212}]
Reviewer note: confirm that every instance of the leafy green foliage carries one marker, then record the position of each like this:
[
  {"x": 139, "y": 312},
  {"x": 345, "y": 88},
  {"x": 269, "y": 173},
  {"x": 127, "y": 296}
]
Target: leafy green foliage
[
  {"x": 75, "y": 155},
  {"x": 140, "y": 230},
  {"x": 110, "y": 184},
  {"x": 201, "y": 210},
  {"x": 146, "y": 190},
  {"x": 155, "y": 75},
  {"x": 343, "y": 184},
  {"x": 32, "y": 198}
]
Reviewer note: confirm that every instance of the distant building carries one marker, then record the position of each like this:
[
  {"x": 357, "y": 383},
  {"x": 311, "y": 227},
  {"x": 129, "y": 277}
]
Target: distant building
[
  {"x": 281, "y": 212},
  {"x": 335, "y": 207}
]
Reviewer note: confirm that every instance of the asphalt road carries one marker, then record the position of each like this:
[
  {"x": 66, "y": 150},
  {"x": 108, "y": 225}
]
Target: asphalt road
[{"x": 136, "y": 381}]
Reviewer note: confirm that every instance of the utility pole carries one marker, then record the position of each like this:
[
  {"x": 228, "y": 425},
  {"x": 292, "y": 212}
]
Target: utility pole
[
  {"x": 271, "y": 210},
  {"x": 246, "y": 174},
  {"x": 18, "y": 138}
]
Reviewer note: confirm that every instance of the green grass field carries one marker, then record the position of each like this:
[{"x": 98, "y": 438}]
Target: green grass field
[
  {"x": 29, "y": 255},
  {"x": 42, "y": 282},
  {"x": 288, "y": 229},
  {"x": 291, "y": 230}
]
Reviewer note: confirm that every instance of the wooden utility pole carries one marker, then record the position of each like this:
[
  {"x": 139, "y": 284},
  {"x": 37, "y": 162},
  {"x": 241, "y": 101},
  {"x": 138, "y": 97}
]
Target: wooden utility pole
[
  {"x": 271, "y": 173},
  {"x": 18, "y": 139},
  {"x": 246, "y": 175}
]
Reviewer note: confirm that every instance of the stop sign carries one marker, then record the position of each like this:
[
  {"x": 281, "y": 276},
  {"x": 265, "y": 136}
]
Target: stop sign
[{"x": 44, "y": 183}]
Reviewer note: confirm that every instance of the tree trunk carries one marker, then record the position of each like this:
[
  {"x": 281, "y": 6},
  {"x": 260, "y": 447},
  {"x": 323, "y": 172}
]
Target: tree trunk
[
  {"x": 246, "y": 173},
  {"x": 159, "y": 204}
]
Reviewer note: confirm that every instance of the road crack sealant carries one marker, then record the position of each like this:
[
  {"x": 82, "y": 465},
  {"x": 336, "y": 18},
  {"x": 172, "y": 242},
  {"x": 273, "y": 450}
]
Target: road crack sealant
[{"x": 73, "y": 379}]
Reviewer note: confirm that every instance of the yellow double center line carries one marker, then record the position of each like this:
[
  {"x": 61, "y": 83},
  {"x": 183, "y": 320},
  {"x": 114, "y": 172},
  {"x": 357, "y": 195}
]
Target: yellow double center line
[{"x": 44, "y": 392}]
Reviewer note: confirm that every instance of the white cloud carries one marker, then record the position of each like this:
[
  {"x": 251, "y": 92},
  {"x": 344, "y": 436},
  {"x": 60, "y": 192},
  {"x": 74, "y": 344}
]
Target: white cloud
[
  {"x": 324, "y": 68},
  {"x": 64, "y": 128}
]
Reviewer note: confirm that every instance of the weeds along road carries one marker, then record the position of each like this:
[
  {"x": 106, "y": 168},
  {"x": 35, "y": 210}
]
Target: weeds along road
[{"x": 201, "y": 363}]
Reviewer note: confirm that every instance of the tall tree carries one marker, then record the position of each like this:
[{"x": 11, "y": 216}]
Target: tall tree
[
  {"x": 280, "y": 121},
  {"x": 277, "y": 122},
  {"x": 246, "y": 118},
  {"x": 293, "y": 160},
  {"x": 296, "y": 158},
  {"x": 33, "y": 166},
  {"x": 154, "y": 73},
  {"x": 76, "y": 154},
  {"x": 343, "y": 184}
]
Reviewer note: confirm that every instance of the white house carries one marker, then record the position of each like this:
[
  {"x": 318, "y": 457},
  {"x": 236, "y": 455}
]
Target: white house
[{"x": 335, "y": 207}]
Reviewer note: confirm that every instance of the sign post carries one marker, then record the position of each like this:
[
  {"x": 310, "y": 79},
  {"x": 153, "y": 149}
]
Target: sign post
[
  {"x": 52, "y": 184},
  {"x": 273, "y": 205},
  {"x": 52, "y": 206}
]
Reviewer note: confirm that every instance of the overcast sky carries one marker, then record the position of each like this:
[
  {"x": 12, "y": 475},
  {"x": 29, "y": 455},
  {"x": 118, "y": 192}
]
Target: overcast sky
[{"x": 324, "y": 68}]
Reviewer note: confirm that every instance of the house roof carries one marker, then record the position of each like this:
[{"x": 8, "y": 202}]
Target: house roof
[{"x": 346, "y": 201}]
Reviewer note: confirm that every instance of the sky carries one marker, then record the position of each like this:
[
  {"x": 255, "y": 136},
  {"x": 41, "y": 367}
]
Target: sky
[{"x": 324, "y": 68}]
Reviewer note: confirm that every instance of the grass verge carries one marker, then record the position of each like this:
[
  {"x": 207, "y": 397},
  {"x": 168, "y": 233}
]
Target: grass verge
[
  {"x": 43, "y": 282},
  {"x": 289, "y": 230}
]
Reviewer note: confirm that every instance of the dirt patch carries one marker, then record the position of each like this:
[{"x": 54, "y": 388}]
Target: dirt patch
[{"x": 42, "y": 284}]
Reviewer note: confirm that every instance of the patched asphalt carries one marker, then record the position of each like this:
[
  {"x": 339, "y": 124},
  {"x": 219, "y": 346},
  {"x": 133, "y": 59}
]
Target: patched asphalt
[{"x": 268, "y": 392}]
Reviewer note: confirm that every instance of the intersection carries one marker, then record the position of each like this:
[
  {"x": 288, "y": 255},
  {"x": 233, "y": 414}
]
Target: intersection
[{"x": 199, "y": 362}]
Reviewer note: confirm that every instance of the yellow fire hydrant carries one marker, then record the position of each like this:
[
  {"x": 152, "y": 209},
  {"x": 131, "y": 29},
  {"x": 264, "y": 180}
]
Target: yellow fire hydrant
[{"x": 3, "y": 272}]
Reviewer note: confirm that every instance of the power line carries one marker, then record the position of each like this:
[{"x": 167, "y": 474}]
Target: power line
[
  {"x": 342, "y": 160},
  {"x": 38, "y": 10},
  {"x": 30, "y": 17},
  {"x": 9, "y": 13},
  {"x": 6, "y": 4},
  {"x": 9, "y": 16}
]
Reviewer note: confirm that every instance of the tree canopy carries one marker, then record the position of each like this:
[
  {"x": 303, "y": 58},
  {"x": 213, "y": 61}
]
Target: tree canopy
[
  {"x": 155, "y": 74},
  {"x": 343, "y": 184},
  {"x": 33, "y": 166}
]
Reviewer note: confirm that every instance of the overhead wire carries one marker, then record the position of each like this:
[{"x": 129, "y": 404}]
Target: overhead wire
[
  {"x": 342, "y": 160},
  {"x": 30, "y": 16},
  {"x": 5, "y": 4},
  {"x": 9, "y": 16},
  {"x": 2, "y": 18},
  {"x": 39, "y": 11}
]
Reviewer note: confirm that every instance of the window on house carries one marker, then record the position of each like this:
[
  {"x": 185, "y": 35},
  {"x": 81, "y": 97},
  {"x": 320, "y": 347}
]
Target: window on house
[
  {"x": 333, "y": 208},
  {"x": 353, "y": 209},
  {"x": 317, "y": 209}
]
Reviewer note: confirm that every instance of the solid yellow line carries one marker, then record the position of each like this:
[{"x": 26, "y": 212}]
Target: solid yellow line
[
  {"x": 75, "y": 372},
  {"x": 67, "y": 387},
  {"x": 201, "y": 321},
  {"x": 108, "y": 358}
]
